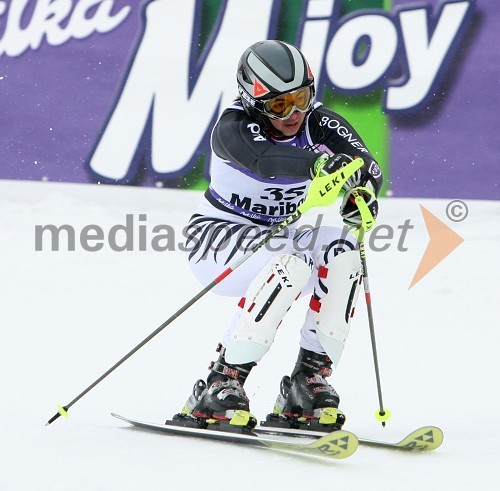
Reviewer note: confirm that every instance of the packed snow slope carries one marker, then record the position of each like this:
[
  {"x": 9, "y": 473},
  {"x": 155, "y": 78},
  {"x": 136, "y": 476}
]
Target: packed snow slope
[{"x": 67, "y": 316}]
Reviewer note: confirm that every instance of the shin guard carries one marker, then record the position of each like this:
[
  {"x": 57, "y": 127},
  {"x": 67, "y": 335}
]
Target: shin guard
[
  {"x": 267, "y": 300},
  {"x": 331, "y": 314}
]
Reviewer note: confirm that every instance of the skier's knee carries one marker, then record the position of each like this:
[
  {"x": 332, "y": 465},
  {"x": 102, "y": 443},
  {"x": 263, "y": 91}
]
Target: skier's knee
[
  {"x": 339, "y": 241},
  {"x": 267, "y": 300}
]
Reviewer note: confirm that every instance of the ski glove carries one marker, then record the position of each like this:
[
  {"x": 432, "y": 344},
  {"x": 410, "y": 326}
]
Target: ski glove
[
  {"x": 349, "y": 210},
  {"x": 327, "y": 164},
  {"x": 361, "y": 182}
]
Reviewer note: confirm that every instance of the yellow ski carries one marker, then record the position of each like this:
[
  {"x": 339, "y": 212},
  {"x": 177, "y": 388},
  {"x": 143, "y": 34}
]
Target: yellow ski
[
  {"x": 425, "y": 438},
  {"x": 336, "y": 445}
]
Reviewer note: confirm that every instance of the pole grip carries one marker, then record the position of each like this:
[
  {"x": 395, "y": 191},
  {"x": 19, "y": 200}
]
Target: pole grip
[{"x": 367, "y": 219}]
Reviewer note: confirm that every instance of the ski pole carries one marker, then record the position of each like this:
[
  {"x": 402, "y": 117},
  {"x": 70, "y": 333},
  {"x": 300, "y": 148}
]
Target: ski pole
[
  {"x": 323, "y": 191},
  {"x": 62, "y": 410},
  {"x": 367, "y": 223}
]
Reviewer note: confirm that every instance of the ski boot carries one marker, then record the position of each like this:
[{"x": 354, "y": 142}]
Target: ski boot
[
  {"x": 306, "y": 401},
  {"x": 221, "y": 403}
]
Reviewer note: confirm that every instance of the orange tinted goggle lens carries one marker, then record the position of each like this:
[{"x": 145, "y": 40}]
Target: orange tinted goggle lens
[{"x": 282, "y": 105}]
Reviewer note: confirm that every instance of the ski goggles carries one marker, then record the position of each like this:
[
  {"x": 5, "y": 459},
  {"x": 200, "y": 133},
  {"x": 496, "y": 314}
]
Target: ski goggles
[{"x": 282, "y": 106}]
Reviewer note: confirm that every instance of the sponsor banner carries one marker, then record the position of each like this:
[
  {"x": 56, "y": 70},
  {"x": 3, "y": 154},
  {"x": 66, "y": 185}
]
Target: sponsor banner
[
  {"x": 126, "y": 92},
  {"x": 450, "y": 146}
]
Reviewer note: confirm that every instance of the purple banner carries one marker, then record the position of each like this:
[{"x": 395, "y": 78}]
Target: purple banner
[
  {"x": 450, "y": 148},
  {"x": 57, "y": 83},
  {"x": 120, "y": 91}
]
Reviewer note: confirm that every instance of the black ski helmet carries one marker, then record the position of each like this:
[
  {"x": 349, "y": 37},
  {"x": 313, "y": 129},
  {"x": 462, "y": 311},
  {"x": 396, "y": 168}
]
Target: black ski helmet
[{"x": 268, "y": 69}]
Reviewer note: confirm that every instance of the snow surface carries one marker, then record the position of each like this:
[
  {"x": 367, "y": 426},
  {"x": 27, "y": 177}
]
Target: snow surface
[{"x": 66, "y": 317}]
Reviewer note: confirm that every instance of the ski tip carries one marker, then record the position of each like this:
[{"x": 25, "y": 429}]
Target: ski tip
[
  {"x": 422, "y": 439},
  {"x": 338, "y": 444},
  {"x": 425, "y": 438}
]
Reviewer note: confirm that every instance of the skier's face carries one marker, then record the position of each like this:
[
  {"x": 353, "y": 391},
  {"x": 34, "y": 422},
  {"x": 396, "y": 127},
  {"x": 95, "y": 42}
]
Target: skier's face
[{"x": 290, "y": 126}]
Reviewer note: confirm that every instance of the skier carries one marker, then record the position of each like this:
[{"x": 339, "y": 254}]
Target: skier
[{"x": 267, "y": 147}]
